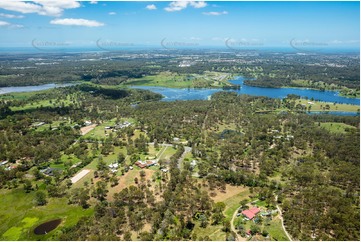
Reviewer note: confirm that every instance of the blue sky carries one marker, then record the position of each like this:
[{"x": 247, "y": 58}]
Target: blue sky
[{"x": 186, "y": 23}]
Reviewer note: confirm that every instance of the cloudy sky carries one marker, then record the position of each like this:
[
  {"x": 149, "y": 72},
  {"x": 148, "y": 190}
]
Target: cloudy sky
[{"x": 188, "y": 23}]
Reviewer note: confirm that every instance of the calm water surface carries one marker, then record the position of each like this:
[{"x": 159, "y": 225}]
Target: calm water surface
[
  {"x": 172, "y": 94},
  {"x": 4, "y": 90}
]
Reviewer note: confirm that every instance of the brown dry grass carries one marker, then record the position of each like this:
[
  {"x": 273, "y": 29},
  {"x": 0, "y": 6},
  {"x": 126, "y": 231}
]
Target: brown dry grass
[
  {"x": 231, "y": 191},
  {"x": 128, "y": 180},
  {"x": 87, "y": 129}
]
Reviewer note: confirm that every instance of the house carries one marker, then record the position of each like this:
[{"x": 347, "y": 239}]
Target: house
[
  {"x": 251, "y": 213},
  {"x": 87, "y": 123},
  {"x": 114, "y": 166},
  {"x": 268, "y": 213},
  {"x": 123, "y": 125},
  {"x": 48, "y": 171},
  {"x": 144, "y": 164}
]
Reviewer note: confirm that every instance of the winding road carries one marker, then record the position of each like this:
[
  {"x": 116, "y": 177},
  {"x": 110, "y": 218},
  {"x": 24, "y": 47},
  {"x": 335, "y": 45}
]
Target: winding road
[{"x": 283, "y": 225}]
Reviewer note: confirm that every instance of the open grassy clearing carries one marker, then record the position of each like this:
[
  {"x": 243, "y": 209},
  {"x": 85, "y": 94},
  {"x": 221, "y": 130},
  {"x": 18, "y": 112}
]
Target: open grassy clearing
[
  {"x": 336, "y": 127},
  {"x": 321, "y": 106},
  {"x": 174, "y": 80},
  {"x": 232, "y": 203},
  {"x": 43, "y": 103},
  {"x": 128, "y": 180},
  {"x": 214, "y": 232},
  {"x": 168, "y": 152},
  {"x": 100, "y": 131},
  {"x": 232, "y": 192},
  {"x": 20, "y": 217},
  {"x": 20, "y": 95}
]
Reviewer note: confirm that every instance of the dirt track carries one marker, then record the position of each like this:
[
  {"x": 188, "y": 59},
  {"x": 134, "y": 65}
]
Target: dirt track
[{"x": 79, "y": 176}]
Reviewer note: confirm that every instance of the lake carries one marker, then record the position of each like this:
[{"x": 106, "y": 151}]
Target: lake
[
  {"x": 4, "y": 90},
  {"x": 172, "y": 94}
]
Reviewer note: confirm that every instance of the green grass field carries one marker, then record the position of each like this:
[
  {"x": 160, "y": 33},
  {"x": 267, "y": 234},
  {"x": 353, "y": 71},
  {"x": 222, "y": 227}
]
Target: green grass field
[
  {"x": 20, "y": 95},
  {"x": 214, "y": 232},
  {"x": 275, "y": 230},
  {"x": 232, "y": 203},
  {"x": 100, "y": 131},
  {"x": 19, "y": 216},
  {"x": 319, "y": 106},
  {"x": 173, "y": 80},
  {"x": 168, "y": 152},
  {"x": 336, "y": 127}
]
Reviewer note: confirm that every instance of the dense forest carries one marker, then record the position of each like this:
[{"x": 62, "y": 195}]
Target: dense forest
[{"x": 281, "y": 157}]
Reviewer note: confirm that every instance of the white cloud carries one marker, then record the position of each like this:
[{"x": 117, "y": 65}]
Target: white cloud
[
  {"x": 180, "y": 5},
  {"x": 41, "y": 7},
  {"x": 10, "y": 25},
  {"x": 215, "y": 13},
  {"x": 112, "y": 13},
  {"x": 3, "y": 23},
  {"x": 77, "y": 22},
  {"x": 3, "y": 15},
  {"x": 199, "y": 4},
  {"x": 151, "y": 7},
  {"x": 93, "y": 2}
]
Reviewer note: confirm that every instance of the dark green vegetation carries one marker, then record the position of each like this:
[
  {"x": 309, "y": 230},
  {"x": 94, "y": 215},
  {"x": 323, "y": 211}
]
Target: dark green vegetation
[
  {"x": 189, "y": 68},
  {"x": 203, "y": 147}
]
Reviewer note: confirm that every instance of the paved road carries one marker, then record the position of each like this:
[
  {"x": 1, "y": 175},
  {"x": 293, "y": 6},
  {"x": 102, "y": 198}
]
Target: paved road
[{"x": 283, "y": 226}]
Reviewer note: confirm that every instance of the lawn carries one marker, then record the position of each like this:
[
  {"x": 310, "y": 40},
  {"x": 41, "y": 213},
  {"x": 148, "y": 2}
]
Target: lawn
[
  {"x": 174, "y": 80},
  {"x": 336, "y": 127},
  {"x": 165, "y": 79},
  {"x": 20, "y": 95},
  {"x": 319, "y": 106},
  {"x": 100, "y": 131},
  {"x": 168, "y": 152},
  {"x": 214, "y": 232},
  {"x": 275, "y": 230},
  {"x": 232, "y": 203},
  {"x": 42, "y": 103},
  {"x": 18, "y": 216}
]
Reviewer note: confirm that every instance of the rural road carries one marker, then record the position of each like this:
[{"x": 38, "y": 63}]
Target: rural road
[
  {"x": 283, "y": 225},
  {"x": 186, "y": 150},
  {"x": 232, "y": 225}
]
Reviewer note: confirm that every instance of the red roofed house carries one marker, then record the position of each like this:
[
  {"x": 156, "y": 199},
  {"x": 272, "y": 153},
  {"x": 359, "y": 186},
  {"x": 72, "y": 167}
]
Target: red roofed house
[
  {"x": 251, "y": 213},
  {"x": 143, "y": 164}
]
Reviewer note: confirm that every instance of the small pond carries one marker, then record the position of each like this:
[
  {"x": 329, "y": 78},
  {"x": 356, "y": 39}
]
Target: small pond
[{"x": 46, "y": 227}]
